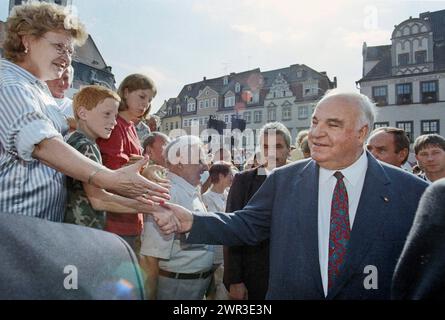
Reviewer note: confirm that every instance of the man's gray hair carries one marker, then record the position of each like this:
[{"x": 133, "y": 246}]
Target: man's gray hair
[
  {"x": 151, "y": 138},
  {"x": 367, "y": 107},
  {"x": 180, "y": 149},
  {"x": 279, "y": 128}
]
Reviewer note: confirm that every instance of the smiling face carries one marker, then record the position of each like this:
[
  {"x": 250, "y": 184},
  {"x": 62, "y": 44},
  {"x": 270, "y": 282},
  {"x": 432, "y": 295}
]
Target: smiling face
[
  {"x": 99, "y": 122},
  {"x": 335, "y": 137},
  {"x": 48, "y": 56},
  {"x": 138, "y": 102}
]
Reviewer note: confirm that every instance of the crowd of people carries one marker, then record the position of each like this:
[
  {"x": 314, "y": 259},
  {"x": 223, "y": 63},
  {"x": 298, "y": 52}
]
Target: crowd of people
[{"x": 295, "y": 221}]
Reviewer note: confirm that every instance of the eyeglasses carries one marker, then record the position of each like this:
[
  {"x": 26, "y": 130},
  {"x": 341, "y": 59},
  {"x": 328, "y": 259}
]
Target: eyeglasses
[{"x": 61, "y": 48}]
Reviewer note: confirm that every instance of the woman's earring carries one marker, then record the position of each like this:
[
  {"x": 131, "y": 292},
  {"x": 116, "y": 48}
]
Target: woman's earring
[{"x": 26, "y": 50}]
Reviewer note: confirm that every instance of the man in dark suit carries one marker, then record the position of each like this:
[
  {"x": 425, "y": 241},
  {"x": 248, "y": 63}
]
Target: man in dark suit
[
  {"x": 336, "y": 224},
  {"x": 420, "y": 272},
  {"x": 47, "y": 260},
  {"x": 246, "y": 268}
]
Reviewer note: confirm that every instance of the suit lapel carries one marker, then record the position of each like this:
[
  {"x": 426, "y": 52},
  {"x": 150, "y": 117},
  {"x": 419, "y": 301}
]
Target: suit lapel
[
  {"x": 368, "y": 221},
  {"x": 305, "y": 197}
]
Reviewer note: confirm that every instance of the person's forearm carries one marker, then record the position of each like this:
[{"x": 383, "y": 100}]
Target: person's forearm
[
  {"x": 103, "y": 200},
  {"x": 60, "y": 156}
]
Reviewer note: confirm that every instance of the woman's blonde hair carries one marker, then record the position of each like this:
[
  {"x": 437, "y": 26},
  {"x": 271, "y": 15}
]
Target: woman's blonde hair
[
  {"x": 35, "y": 19},
  {"x": 134, "y": 82}
]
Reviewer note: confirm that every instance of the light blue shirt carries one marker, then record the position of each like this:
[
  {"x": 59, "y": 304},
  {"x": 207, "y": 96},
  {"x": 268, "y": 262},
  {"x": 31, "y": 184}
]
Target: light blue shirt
[
  {"x": 28, "y": 115},
  {"x": 175, "y": 255}
]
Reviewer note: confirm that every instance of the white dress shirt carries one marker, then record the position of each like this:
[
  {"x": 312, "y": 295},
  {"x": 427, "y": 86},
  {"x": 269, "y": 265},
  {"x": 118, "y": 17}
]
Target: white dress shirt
[
  {"x": 216, "y": 202},
  {"x": 354, "y": 178}
]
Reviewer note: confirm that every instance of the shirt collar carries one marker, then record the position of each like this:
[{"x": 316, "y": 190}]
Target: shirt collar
[
  {"x": 352, "y": 173},
  {"x": 180, "y": 182},
  {"x": 80, "y": 131}
]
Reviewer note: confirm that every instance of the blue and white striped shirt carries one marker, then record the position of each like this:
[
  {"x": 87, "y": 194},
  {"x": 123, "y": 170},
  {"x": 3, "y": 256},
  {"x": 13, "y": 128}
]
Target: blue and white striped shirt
[{"x": 28, "y": 115}]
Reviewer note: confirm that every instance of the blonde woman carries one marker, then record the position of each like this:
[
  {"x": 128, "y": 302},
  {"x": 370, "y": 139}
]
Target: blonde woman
[{"x": 34, "y": 159}]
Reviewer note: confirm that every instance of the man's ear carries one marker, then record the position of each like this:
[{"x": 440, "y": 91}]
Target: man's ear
[
  {"x": 82, "y": 113},
  {"x": 403, "y": 153},
  {"x": 363, "y": 133}
]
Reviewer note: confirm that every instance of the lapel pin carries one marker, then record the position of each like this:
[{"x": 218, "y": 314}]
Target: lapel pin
[{"x": 386, "y": 199}]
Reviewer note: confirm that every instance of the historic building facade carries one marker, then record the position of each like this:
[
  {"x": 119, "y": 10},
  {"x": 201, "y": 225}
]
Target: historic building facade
[
  {"x": 406, "y": 79},
  {"x": 288, "y": 95}
]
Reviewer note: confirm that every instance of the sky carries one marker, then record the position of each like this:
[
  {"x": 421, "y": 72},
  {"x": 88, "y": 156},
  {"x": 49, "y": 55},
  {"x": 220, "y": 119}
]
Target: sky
[{"x": 177, "y": 42}]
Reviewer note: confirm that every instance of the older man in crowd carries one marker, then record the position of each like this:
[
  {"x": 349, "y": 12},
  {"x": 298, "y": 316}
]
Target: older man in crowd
[
  {"x": 176, "y": 270},
  {"x": 336, "y": 223}
]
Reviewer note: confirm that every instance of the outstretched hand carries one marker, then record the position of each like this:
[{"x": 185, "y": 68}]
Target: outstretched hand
[
  {"x": 128, "y": 182},
  {"x": 156, "y": 174},
  {"x": 183, "y": 216}
]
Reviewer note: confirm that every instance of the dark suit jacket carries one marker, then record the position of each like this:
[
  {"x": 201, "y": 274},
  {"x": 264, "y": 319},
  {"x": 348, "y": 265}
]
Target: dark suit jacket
[
  {"x": 285, "y": 209},
  {"x": 420, "y": 272},
  {"x": 247, "y": 264},
  {"x": 36, "y": 258}
]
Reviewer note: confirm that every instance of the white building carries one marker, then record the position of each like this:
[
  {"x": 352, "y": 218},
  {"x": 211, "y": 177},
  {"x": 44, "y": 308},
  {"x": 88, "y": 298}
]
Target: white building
[{"x": 407, "y": 78}]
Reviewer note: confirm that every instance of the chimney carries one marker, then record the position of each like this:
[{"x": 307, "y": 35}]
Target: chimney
[{"x": 204, "y": 79}]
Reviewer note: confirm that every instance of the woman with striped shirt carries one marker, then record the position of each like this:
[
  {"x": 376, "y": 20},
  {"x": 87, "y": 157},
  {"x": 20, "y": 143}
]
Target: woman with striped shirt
[{"x": 34, "y": 158}]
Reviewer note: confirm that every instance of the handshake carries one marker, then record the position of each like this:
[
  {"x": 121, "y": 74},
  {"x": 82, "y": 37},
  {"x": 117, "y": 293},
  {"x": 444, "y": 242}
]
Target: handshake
[{"x": 172, "y": 218}]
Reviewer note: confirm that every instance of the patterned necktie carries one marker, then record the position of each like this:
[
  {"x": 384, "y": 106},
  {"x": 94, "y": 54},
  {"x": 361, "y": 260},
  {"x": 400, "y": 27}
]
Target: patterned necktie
[{"x": 339, "y": 232}]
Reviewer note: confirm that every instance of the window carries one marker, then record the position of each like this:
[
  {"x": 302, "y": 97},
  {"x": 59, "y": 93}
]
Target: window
[
  {"x": 206, "y": 103},
  {"x": 403, "y": 59},
  {"x": 287, "y": 115},
  {"x": 166, "y": 127},
  {"x": 176, "y": 125},
  {"x": 272, "y": 115},
  {"x": 428, "y": 90},
  {"x": 201, "y": 104},
  {"x": 429, "y": 126},
  {"x": 258, "y": 115},
  {"x": 191, "y": 106},
  {"x": 381, "y": 124},
  {"x": 171, "y": 125},
  {"x": 169, "y": 111},
  {"x": 185, "y": 123},
  {"x": 213, "y": 102},
  {"x": 247, "y": 117},
  {"x": 229, "y": 102},
  {"x": 420, "y": 56},
  {"x": 237, "y": 87},
  {"x": 302, "y": 112},
  {"x": 225, "y": 80},
  {"x": 404, "y": 93},
  {"x": 226, "y": 118},
  {"x": 178, "y": 109},
  {"x": 408, "y": 126},
  {"x": 380, "y": 95}
]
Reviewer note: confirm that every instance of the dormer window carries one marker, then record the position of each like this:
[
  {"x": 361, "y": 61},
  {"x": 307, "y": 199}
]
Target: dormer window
[
  {"x": 237, "y": 87},
  {"x": 403, "y": 59},
  {"x": 420, "y": 56},
  {"x": 226, "y": 80}
]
